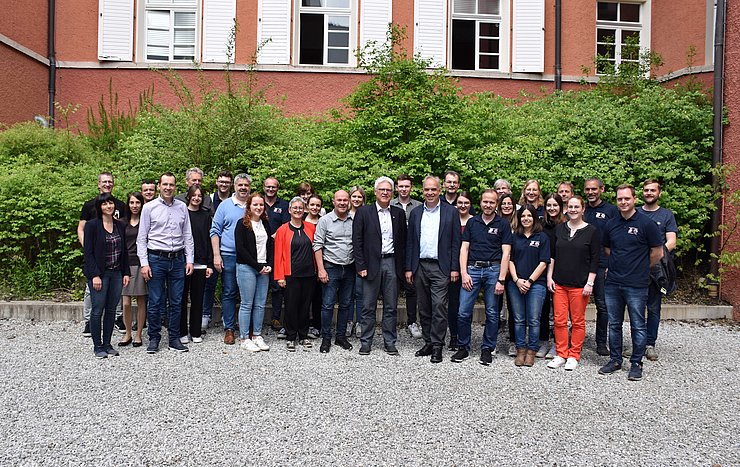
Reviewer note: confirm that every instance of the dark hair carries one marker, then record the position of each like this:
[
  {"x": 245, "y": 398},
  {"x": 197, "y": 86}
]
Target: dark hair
[
  {"x": 225, "y": 173},
  {"x": 512, "y": 218},
  {"x": 149, "y": 181},
  {"x": 137, "y": 195},
  {"x": 99, "y": 200},
  {"x": 452, "y": 172},
  {"x": 550, "y": 221},
  {"x": 305, "y": 187},
  {"x": 536, "y": 224},
  {"x": 191, "y": 192},
  {"x": 403, "y": 177},
  {"x": 650, "y": 181},
  {"x": 626, "y": 186},
  {"x": 464, "y": 194},
  {"x": 167, "y": 174},
  {"x": 247, "y": 219}
]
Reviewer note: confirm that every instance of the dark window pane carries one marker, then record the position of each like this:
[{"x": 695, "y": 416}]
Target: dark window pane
[
  {"x": 463, "y": 44},
  {"x": 604, "y": 66},
  {"x": 316, "y": 3},
  {"x": 606, "y": 11},
  {"x": 632, "y": 67},
  {"x": 489, "y": 29},
  {"x": 630, "y": 37},
  {"x": 488, "y": 46},
  {"x": 605, "y": 50},
  {"x": 338, "y": 39},
  {"x": 338, "y": 56},
  {"x": 605, "y": 35},
  {"x": 630, "y": 52},
  {"x": 312, "y": 39},
  {"x": 488, "y": 62},
  {"x": 629, "y": 12},
  {"x": 488, "y": 7}
]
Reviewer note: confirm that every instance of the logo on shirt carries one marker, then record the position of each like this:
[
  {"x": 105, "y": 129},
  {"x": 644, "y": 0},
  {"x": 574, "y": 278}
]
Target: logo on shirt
[
  {"x": 493, "y": 230},
  {"x": 534, "y": 243},
  {"x": 277, "y": 210},
  {"x": 632, "y": 230},
  {"x": 600, "y": 215}
]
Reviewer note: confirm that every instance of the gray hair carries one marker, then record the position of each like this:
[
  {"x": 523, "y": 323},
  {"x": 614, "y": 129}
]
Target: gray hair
[
  {"x": 435, "y": 178},
  {"x": 502, "y": 182},
  {"x": 191, "y": 171},
  {"x": 296, "y": 198},
  {"x": 383, "y": 179},
  {"x": 242, "y": 176}
]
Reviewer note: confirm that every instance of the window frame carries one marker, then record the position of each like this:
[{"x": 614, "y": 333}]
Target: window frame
[
  {"x": 351, "y": 12},
  {"x": 503, "y": 19},
  {"x": 171, "y": 6},
  {"x": 642, "y": 26}
]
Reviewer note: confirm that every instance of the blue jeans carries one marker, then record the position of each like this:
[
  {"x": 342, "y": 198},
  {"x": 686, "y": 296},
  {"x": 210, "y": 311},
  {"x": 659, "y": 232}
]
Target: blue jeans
[
  {"x": 165, "y": 286},
  {"x": 253, "y": 290},
  {"x": 229, "y": 291},
  {"x": 654, "y": 302},
  {"x": 486, "y": 278},
  {"x": 635, "y": 298},
  {"x": 104, "y": 303},
  {"x": 342, "y": 284},
  {"x": 526, "y": 309}
]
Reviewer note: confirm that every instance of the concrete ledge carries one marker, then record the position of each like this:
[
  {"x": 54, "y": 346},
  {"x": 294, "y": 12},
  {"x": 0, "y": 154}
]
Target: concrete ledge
[{"x": 72, "y": 311}]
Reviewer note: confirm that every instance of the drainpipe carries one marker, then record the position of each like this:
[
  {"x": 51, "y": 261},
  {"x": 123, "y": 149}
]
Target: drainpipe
[
  {"x": 558, "y": 68},
  {"x": 52, "y": 61},
  {"x": 717, "y": 130}
]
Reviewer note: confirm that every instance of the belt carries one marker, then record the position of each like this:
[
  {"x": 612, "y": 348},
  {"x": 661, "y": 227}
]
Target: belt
[
  {"x": 336, "y": 265},
  {"x": 429, "y": 260},
  {"x": 483, "y": 264},
  {"x": 386, "y": 255},
  {"x": 167, "y": 254}
]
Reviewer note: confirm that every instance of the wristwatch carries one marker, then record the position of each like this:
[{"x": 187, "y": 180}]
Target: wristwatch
[
  {"x": 529, "y": 279},
  {"x": 590, "y": 283},
  {"x": 501, "y": 281}
]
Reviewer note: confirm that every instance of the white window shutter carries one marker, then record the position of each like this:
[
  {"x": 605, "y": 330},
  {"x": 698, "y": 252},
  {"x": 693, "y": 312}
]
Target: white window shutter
[
  {"x": 218, "y": 21},
  {"x": 374, "y": 19},
  {"x": 528, "y": 36},
  {"x": 116, "y": 30},
  {"x": 430, "y": 30},
  {"x": 274, "y": 26}
]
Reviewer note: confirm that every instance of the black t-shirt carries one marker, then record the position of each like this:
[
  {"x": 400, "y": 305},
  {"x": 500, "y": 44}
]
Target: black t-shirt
[
  {"x": 301, "y": 254},
  {"x": 89, "y": 213}
]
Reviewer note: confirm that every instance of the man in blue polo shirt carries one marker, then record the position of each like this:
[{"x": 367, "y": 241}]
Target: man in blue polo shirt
[
  {"x": 599, "y": 212},
  {"x": 633, "y": 243},
  {"x": 484, "y": 262}
]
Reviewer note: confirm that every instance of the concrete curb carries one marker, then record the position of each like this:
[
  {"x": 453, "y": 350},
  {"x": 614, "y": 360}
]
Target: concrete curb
[{"x": 72, "y": 311}]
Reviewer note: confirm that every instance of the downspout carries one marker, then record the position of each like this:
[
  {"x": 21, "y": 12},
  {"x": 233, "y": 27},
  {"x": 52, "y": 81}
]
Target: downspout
[
  {"x": 558, "y": 64},
  {"x": 52, "y": 61},
  {"x": 717, "y": 129}
]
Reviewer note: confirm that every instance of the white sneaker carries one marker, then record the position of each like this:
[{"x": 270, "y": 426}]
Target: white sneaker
[
  {"x": 415, "y": 331},
  {"x": 571, "y": 364},
  {"x": 544, "y": 347},
  {"x": 205, "y": 322},
  {"x": 556, "y": 362},
  {"x": 184, "y": 340},
  {"x": 348, "y": 332},
  {"x": 358, "y": 330},
  {"x": 197, "y": 340},
  {"x": 512, "y": 349},
  {"x": 552, "y": 353},
  {"x": 260, "y": 342},
  {"x": 250, "y": 346}
]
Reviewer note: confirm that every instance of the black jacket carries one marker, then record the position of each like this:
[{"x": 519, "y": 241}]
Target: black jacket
[{"x": 94, "y": 248}]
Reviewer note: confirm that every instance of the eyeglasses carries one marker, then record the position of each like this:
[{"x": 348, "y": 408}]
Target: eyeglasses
[{"x": 384, "y": 190}]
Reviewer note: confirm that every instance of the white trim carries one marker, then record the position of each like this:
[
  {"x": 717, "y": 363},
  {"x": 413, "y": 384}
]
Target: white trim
[
  {"x": 116, "y": 30},
  {"x": 326, "y": 12},
  {"x": 23, "y": 49},
  {"x": 273, "y": 32},
  {"x": 431, "y": 31}
]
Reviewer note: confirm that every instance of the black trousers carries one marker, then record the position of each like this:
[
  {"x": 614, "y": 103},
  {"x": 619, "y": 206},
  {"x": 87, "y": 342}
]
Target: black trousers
[
  {"x": 195, "y": 288},
  {"x": 298, "y": 297}
]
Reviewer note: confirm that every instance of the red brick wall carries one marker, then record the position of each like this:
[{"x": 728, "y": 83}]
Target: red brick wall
[
  {"x": 23, "y": 87},
  {"x": 25, "y": 21}
]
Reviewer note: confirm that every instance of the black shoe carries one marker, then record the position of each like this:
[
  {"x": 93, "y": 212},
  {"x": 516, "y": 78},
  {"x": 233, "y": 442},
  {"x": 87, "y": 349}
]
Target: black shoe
[
  {"x": 86, "y": 332},
  {"x": 602, "y": 350},
  {"x": 425, "y": 351},
  {"x": 485, "y": 357},
  {"x": 459, "y": 356},
  {"x": 119, "y": 324},
  {"x": 125, "y": 343},
  {"x": 153, "y": 347},
  {"x": 635, "y": 373},
  {"x": 391, "y": 349},
  {"x": 177, "y": 345},
  {"x": 325, "y": 345},
  {"x": 343, "y": 343},
  {"x": 453, "y": 344},
  {"x": 436, "y": 355},
  {"x": 364, "y": 349},
  {"x": 610, "y": 368},
  {"x": 135, "y": 344}
]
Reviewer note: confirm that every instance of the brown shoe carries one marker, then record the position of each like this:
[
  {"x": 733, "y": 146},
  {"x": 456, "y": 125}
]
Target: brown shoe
[
  {"x": 229, "y": 337},
  {"x": 520, "y": 354},
  {"x": 529, "y": 359}
]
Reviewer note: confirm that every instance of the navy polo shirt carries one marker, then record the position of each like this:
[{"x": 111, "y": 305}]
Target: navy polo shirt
[
  {"x": 664, "y": 218},
  {"x": 600, "y": 216},
  {"x": 630, "y": 241},
  {"x": 528, "y": 252},
  {"x": 277, "y": 214},
  {"x": 486, "y": 239}
]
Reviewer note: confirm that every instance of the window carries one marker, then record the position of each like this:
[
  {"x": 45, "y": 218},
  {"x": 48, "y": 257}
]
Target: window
[
  {"x": 619, "y": 35},
  {"x": 476, "y": 35},
  {"x": 326, "y": 31},
  {"x": 171, "y": 30}
]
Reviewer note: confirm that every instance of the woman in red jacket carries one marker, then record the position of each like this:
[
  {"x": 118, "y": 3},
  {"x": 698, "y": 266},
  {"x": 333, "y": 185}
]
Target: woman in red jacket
[{"x": 295, "y": 271}]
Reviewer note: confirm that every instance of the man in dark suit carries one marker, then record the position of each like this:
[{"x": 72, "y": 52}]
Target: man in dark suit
[
  {"x": 379, "y": 244},
  {"x": 432, "y": 262}
]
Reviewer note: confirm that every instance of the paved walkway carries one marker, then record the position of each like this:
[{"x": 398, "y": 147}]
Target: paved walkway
[{"x": 219, "y": 405}]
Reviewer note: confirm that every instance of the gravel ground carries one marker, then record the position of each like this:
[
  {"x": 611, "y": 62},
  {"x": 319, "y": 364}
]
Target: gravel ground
[{"x": 218, "y": 405}]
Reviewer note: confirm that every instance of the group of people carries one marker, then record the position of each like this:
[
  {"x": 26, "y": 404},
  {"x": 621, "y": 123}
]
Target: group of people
[{"x": 547, "y": 255}]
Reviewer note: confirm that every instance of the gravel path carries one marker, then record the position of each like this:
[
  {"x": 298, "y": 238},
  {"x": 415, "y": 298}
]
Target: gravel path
[{"x": 219, "y": 405}]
